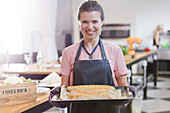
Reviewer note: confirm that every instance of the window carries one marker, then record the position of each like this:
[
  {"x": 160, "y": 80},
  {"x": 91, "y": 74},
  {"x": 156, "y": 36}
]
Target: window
[{"x": 11, "y": 26}]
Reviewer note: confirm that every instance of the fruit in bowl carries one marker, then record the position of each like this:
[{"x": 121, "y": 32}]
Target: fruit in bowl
[{"x": 124, "y": 50}]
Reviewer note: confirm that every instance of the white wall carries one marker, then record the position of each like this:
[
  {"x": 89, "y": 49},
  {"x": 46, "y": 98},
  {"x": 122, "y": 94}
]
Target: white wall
[
  {"x": 154, "y": 13},
  {"x": 67, "y": 21},
  {"x": 143, "y": 15},
  {"x": 39, "y": 27},
  {"x": 11, "y": 26},
  {"x": 64, "y": 23}
]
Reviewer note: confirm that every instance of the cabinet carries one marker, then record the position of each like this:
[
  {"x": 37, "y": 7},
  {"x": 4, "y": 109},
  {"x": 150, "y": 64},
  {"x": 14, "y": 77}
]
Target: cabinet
[{"x": 163, "y": 62}]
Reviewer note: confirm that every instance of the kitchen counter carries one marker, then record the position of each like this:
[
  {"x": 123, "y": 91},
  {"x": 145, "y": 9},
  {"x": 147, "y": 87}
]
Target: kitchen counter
[
  {"x": 44, "y": 98},
  {"x": 23, "y": 107},
  {"x": 18, "y": 68},
  {"x": 28, "y": 71},
  {"x": 139, "y": 56},
  {"x": 163, "y": 62},
  {"x": 143, "y": 57}
]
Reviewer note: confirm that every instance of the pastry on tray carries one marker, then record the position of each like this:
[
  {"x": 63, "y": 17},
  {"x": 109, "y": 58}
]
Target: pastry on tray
[{"x": 87, "y": 92}]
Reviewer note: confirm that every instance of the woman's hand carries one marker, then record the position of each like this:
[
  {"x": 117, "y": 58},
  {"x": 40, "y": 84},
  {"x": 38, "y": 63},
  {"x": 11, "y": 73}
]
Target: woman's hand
[
  {"x": 133, "y": 90},
  {"x": 122, "y": 80},
  {"x": 56, "y": 91}
]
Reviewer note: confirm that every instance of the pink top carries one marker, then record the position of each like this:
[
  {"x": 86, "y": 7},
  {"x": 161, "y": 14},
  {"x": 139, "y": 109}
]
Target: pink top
[{"x": 113, "y": 53}]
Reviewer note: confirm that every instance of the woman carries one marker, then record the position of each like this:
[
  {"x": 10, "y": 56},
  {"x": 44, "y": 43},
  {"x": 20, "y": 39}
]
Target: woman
[
  {"x": 92, "y": 60},
  {"x": 156, "y": 38}
]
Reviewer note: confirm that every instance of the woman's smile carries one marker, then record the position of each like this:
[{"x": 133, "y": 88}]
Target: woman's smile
[{"x": 90, "y": 33}]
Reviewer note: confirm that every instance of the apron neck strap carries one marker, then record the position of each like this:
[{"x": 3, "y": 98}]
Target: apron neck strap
[
  {"x": 101, "y": 46},
  {"x": 79, "y": 51},
  {"x": 102, "y": 49}
]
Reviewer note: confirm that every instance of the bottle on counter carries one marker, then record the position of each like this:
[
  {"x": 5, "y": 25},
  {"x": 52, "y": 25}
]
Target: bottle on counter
[{"x": 40, "y": 59}]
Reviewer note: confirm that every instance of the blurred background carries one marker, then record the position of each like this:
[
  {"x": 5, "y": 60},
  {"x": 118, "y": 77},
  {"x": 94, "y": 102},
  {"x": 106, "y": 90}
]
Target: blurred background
[{"x": 52, "y": 25}]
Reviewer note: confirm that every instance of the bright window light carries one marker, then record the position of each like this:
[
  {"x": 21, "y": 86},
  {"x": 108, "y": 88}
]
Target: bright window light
[{"x": 11, "y": 26}]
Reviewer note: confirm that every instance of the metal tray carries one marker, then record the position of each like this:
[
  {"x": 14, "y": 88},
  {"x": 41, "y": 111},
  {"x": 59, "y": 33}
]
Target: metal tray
[{"x": 124, "y": 91}]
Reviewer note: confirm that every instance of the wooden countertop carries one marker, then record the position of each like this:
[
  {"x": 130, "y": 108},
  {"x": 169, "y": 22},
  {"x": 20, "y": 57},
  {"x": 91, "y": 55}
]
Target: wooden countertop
[
  {"x": 18, "y": 68},
  {"x": 23, "y": 107},
  {"x": 138, "y": 57}
]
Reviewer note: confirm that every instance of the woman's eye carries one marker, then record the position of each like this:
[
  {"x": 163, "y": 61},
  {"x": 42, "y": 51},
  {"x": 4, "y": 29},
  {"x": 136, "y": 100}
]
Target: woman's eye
[
  {"x": 95, "y": 21},
  {"x": 84, "y": 22}
]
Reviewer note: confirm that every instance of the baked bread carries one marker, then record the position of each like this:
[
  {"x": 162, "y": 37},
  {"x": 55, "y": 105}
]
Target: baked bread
[{"x": 87, "y": 92}]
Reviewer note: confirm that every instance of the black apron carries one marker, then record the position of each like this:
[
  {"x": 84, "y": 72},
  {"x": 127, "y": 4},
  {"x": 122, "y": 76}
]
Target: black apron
[{"x": 93, "y": 72}]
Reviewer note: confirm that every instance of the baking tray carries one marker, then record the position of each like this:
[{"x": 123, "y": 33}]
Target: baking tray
[{"x": 124, "y": 92}]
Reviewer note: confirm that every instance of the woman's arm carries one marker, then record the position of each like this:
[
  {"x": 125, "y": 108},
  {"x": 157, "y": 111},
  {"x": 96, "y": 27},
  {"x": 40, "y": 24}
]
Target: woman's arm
[
  {"x": 64, "y": 80},
  {"x": 156, "y": 37},
  {"x": 122, "y": 80},
  {"x": 65, "y": 70}
]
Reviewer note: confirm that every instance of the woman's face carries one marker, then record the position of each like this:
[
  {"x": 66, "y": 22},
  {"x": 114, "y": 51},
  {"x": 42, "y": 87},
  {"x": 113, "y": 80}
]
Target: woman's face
[
  {"x": 161, "y": 31},
  {"x": 90, "y": 24}
]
